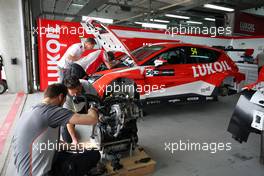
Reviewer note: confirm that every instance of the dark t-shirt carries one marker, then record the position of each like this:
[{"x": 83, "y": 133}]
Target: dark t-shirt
[{"x": 36, "y": 138}]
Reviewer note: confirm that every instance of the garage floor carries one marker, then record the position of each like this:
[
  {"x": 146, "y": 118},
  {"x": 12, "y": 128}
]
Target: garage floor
[
  {"x": 6, "y": 100},
  {"x": 194, "y": 123}
]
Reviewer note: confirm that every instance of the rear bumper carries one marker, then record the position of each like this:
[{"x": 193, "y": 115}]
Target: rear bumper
[{"x": 235, "y": 83}]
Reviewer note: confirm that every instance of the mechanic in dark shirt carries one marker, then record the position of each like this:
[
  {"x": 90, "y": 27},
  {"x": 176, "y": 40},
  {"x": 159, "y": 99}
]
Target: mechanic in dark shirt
[
  {"x": 37, "y": 136},
  {"x": 75, "y": 87}
]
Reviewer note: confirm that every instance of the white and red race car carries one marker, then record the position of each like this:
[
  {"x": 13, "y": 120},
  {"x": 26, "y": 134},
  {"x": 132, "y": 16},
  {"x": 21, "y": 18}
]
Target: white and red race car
[{"x": 173, "y": 72}]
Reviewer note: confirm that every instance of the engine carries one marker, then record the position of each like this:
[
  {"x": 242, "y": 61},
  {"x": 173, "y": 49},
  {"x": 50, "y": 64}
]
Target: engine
[{"x": 116, "y": 131}]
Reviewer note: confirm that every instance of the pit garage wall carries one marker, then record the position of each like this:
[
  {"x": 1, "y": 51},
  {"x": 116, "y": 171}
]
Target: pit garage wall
[
  {"x": 12, "y": 44},
  {"x": 257, "y": 43},
  {"x": 250, "y": 70},
  {"x": 50, "y": 53}
]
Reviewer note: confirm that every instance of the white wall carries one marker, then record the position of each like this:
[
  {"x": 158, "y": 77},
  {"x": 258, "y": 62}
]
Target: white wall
[
  {"x": 255, "y": 43},
  {"x": 12, "y": 44}
]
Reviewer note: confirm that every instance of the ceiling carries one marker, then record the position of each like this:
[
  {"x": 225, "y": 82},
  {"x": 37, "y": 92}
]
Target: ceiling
[{"x": 126, "y": 12}]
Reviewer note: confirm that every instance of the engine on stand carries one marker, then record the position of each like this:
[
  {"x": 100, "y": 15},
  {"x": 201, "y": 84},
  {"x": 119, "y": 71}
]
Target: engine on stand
[{"x": 116, "y": 132}]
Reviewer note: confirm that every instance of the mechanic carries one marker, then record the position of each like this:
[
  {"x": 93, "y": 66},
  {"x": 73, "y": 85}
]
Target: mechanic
[
  {"x": 38, "y": 130},
  {"x": 75, "y": 88},
  {"x": 94, "y": 60},
  {"x": 73, "y": 54},
  {"x": 260, "y": 60}
]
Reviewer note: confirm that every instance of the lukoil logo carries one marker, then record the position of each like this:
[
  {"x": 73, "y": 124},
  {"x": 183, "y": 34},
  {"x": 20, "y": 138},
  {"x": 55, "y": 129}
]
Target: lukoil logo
[
  {"x": 211, "y": 68},
  {"x": 53, "y": 47}
]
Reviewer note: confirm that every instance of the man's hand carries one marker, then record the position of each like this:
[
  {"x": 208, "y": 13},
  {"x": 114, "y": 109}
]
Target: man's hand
[
  {"x": 71, "y": 130},
  {"x": 74, "y": 141}
]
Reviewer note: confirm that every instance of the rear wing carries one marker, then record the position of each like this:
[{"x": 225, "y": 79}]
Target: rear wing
[{"x": 228, "y": 49}]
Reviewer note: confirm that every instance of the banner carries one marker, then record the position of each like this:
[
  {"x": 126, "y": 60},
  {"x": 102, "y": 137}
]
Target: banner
[
  {"x": 248, "y": 24},
  {"x": 54, "y": 37}
]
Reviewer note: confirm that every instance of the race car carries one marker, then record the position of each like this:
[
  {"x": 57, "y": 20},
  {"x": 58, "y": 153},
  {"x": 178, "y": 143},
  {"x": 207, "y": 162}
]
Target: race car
[
  {"x": 248, "y": 116},
  {"x": 171, "y": 71}
]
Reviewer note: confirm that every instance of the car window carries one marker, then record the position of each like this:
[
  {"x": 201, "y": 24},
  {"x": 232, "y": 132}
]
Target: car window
[
  {"x": 173, "y": 56},
  {"x": 187, "y": 55},
  {"x": 200, "y": 55}
]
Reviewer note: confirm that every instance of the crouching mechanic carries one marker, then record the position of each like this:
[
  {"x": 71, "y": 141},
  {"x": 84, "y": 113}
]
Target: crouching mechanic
[
  {"x": 39, "y": 128},
  {"x": 73, "y": 54},
  {"x": 75, "y": 87}
]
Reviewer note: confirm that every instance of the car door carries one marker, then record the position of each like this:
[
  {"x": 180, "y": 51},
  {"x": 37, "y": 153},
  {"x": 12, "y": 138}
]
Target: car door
[
  {"x": 183, "y": 64},
  {"x": 169, "y": 76}
]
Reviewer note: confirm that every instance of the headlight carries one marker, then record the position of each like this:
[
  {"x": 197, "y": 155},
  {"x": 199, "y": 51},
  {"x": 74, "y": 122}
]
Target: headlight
[{"x": 93, "y": 78}]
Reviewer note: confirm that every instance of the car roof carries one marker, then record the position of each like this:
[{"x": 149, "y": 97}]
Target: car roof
[{"x": 176, "y": 44}]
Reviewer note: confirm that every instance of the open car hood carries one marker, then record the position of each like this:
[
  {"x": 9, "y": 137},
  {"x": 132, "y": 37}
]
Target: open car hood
[{"x": 106, "y": 39}]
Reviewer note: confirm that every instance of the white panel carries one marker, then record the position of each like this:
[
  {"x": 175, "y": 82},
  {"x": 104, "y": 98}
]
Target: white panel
[{"x": 190, "y": 88}]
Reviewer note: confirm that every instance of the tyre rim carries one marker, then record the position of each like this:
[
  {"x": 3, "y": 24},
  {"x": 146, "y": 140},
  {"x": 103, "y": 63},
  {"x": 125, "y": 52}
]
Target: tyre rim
[{"x": 2, "y": 88}]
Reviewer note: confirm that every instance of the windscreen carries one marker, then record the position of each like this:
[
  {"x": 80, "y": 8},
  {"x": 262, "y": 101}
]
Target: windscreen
[{"x": 145, "y": 51}]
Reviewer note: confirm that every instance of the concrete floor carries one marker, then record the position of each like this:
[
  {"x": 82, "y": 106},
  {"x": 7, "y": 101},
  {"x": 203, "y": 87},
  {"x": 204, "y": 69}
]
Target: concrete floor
[
  {"x": 194, "y": 122},
  {"x": 6, "y": 101},
  {"x": 198, "y": 123}
]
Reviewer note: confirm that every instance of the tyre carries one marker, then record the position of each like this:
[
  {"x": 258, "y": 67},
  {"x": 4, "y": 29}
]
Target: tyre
[
  {"x": 5, "y": 83},
  {"x": 224, "y": 90},
  {"x": 3, "y": 86}
]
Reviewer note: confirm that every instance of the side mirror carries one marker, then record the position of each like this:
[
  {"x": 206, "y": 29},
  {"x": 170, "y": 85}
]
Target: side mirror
[{"x": 160, "y": 62}]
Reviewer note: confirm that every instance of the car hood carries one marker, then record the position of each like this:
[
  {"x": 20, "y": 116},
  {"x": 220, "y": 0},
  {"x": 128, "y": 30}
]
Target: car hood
[
  {"x": 105, "y": 37},
  {"x": 110, "y": 71}
]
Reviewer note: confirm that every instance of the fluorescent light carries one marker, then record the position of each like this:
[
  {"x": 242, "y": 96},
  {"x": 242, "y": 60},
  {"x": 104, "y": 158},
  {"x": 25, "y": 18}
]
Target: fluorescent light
[
  {"x": 78, "y": 5},
  {"x": 137, "y": 22},
  {"x": 68, "y": 18},
  {"x": 194, "y": 22},
  {"x": 211, "y": 6},
  {"x": 177, "y": 16},
  {"x": 209, "y": 19},
  {"x": 102, "y": 20},
  {"x": 153, "y": 25},
  {"x": 161, "y": 21}
]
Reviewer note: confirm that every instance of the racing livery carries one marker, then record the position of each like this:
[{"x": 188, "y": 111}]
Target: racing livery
[{"x": 174, "y": 72}]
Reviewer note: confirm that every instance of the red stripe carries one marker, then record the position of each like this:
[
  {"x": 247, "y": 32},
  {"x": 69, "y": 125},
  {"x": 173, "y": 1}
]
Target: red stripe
[{"x": 6, "y": 126}]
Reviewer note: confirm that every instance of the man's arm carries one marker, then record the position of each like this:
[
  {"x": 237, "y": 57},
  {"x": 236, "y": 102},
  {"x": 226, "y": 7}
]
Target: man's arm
[
  {"x": 91, "y": 118},
  {"x": 73, "y": 58},
  {"x": 71, "y": 130},
  {"x": 114, "y": 63},
  {"x": 108, "y": 63},
  {"x": 73, "y": 50}
]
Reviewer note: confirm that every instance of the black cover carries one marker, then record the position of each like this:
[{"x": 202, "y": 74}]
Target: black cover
[{"x": 240, "y": 123}]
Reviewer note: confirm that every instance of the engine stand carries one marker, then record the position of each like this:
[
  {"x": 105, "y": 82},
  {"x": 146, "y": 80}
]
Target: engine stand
[{"x": 139, "y": 163}]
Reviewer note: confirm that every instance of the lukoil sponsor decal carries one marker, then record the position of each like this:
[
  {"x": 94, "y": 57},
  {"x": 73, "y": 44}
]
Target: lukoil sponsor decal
[
  {"x": 54, "y": 38},
  {"x": 210, "y": 68},
  {"x": 53, "y": 47}
]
